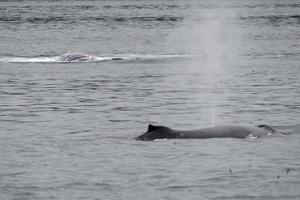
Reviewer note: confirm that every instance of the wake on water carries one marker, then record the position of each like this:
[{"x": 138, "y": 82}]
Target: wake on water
[{"x": 100, "y": 58}]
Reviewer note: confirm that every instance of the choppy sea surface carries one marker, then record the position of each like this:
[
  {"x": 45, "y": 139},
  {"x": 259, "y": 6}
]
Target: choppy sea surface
[{"x": 67, "y": 129}]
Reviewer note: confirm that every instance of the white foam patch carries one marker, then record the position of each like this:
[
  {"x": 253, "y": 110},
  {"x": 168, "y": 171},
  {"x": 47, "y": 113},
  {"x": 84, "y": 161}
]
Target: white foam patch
[
  {"x": 28, "y": 59},
  {"x": 133, "y": 57},
  {"x": 252, "y": 136},
  {"x": 126, "y": 57},
  {"x": 157, "y": 140}
]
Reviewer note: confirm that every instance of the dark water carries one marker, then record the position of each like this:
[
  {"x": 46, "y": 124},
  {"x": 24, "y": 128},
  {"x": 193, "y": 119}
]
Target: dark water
[{"x": 66, "y": 129}]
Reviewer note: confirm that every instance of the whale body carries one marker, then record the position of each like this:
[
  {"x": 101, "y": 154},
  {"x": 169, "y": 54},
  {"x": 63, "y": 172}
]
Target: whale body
[
  {"x": 76, "y": 57},
  {"x": 226, "y": 131}
]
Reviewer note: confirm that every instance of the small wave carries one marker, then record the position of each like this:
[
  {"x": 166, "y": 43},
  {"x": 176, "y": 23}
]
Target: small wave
[
  {"x": 68, "y": 19},
  {"x": 143, "y": 6},
  {"x": 274, "y": 19},
  {"x": 103, "y": 58},
  {"x": 271, "y": 55}
]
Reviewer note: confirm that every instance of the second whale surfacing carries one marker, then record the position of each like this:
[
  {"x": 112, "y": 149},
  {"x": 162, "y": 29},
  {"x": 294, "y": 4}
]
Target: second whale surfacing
[
  {"x": 76, "y": 57},
  {"x": 226, "y": 131}
]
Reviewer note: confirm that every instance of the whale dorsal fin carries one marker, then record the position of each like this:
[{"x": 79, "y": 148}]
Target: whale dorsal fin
[{"x": 151, "y": 127}]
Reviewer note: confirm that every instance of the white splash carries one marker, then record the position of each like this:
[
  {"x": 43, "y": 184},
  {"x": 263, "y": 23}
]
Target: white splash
[{"x": 100, "y": 58}]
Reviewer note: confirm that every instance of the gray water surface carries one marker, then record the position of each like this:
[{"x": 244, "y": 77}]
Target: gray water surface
[{"x": 67, "y": 129}]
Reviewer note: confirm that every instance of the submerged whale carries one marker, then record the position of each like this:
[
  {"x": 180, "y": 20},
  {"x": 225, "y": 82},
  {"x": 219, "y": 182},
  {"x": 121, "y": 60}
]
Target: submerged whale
[
  {"x": 76, "y": 57},
  {"x": 226, "y": 131}
]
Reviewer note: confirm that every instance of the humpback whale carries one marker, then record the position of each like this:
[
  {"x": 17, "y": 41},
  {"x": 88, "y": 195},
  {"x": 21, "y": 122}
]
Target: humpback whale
[
  {"x": 76, "y": 57},
  {"x": 226, "y": 131}
]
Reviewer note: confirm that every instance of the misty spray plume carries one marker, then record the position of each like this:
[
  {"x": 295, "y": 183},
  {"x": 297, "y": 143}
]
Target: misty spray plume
[{"x": 212, "y": 37}]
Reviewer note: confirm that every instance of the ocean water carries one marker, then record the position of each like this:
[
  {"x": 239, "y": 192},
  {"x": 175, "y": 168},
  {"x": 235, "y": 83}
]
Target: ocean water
[{"x": 67, "y": 128}]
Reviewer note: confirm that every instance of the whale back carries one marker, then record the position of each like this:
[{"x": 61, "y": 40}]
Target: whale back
[
  {"x": 225, "y": 131},
  {"x": 76, "y": 57}
]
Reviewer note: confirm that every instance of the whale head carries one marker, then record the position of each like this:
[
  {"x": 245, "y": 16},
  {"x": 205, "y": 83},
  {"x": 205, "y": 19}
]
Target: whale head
[{"x": 157, "y": 132}]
